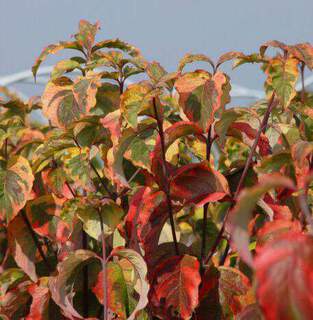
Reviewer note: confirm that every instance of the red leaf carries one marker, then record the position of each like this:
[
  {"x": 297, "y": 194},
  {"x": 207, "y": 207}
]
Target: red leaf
[
  {"x": 39, "y": 309},
  {"x": 245, "y": 128},
  {"x": 284, "y": 271},
  {"x": 175, "y": 286},
  {"x": 273, "y": 229},
  {"x": 198, "y": 184},
  {"x": 22, "y": 246},
  {"x": 176, "y": 131},
  {"x": 117, "y": 299},
  {"x": 145, "y": 219}
]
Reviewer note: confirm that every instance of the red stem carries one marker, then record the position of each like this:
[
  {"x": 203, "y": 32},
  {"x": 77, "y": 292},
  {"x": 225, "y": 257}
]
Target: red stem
[
  {"x": 166, "y": 175},
  {"x": 262, "y": 128},
  {"x": 104, "y": 258}
]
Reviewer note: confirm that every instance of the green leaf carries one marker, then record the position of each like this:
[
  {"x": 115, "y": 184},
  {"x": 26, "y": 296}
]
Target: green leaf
[
  {"x": 136, "y": 99},
  {"x": 140, "y": 269},
  {"x": 16, "y": 182},
  {"x": 10, "y": 278},
  {"x": 53, "y": 49},
  {"x": 117, "y": 299},
  {"x": 111, "y": 214},
  {"x": 65, "y": 101},
  {"x": 282, "y": 77},
  {"x": 64, "y": 66},
  {"x": 62, "y": 285},
  {"x": 77, "y": 167}
]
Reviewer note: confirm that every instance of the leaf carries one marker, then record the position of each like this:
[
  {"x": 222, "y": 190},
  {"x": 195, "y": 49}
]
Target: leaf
[
  {"x": 9, "y": 278},
  {"x": 274, "y": 44},
  {"x": 108, "y": 99},
  {"x": 203, "y": 96},
  {"x": 140, "y": 268},
  {"x": 273, "y": 163},
  {"x": 145, "y": 219},
  {"x": 171, "y": 134},
  {"x": 135, "y": 99},
  {"x": 39, "y": 309},
  {"x": 198, "y": 184},
  {"x": 249, "y": 134},
  {"x": 282, "y": 77},
  {"x": 175, "y": 286},
  {"x": 209, "y": 298},
  {"x": 304, "y": 52},
  {"x": 241, "y": 214},
  {"x": 53, "y": 49},
  {"x": 235, "y": 291},
  {"x": 190, "y": 58},
  {"x": 86, "y": 34},
  {"x": 284, "y": 269},
  {"x": 250, "y": 312},
  {"x": 228, "y": 56},
  {"x": 117, "y": 44},
  {"x": 65, "y": 101},
  {"x": 76, "y": 166},
  {"x": 54, "y": 180},
  {"x": 22, "y": 246},
  {"x": 273, "y": 229},
  {"x": 61, "y": 286},
  {"x": 155, "y": 71},
  {"x": 43, "y": 215},
  {"x": 64, "y": 66},
  {"x": 117, "y": 299},
  {"x": 13, "y": 302},
  {"x": 16, "y": 182},
  {"x": 111, "y": 214}
]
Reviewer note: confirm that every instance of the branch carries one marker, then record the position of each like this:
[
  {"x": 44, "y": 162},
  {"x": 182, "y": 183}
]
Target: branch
[
  {"x": 205, "y": 207},
  {"x": 35, "y": 239},
  {"x": 271, "y": 104},
  {"x": 104, "y": 258},
  {"x": 110, "y": 193},
  {"x": 166, "y": 175}
]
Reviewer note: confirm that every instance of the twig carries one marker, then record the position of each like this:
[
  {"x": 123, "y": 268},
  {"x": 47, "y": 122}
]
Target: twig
[
  {"x": 166, "y": 175},
  {"x": 105, "y": 307},
  {"x": 110, "y": 193},
  {"x": 271, "y": 104},
  {"x": 35, "y": 239},
  {"x": 205, "y": 207},
  {"x": 302, "y": 66}
]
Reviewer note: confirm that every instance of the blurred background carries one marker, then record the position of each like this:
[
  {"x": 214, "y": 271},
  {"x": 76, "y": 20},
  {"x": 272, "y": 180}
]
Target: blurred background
[{"x": 164, "y": 30}]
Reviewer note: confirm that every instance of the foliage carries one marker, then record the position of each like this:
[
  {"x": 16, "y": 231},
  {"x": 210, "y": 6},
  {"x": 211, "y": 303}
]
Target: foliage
[{"x": 153, "y": 200}]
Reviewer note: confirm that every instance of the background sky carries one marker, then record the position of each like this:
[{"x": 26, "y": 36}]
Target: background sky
[{"x": 164, "y": 30}]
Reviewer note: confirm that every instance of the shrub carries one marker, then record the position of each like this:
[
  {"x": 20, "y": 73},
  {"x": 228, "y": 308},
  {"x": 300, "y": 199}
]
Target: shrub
[{"x": 152, "y": 200}]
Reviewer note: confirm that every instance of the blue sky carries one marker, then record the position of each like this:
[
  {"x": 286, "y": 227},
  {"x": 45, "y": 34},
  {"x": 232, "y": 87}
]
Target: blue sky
[{"x": 163, "y": 29}]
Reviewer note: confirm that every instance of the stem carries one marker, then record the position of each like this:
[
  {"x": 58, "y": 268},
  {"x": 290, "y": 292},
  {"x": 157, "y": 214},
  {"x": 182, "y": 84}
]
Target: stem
[
  {"x": 6, "y": 149},
  {"x": 71, "y": 189},
  {"x": 302, "y": 66},
  {"x": 85, "y": 277},
  {"x": 111, "y": 194},
  {"x": 166, "y": 175},
  {"x": 205, "y": 207},
  {"x": 105, "y": 303},
  {"x": 35, "y": 239},
  {"x": 302, "y": 199},
  {"x": 262, "y": 129}
]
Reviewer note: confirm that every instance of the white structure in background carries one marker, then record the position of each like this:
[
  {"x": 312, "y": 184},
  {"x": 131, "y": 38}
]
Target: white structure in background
[{"x": 44, "y": 72}]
